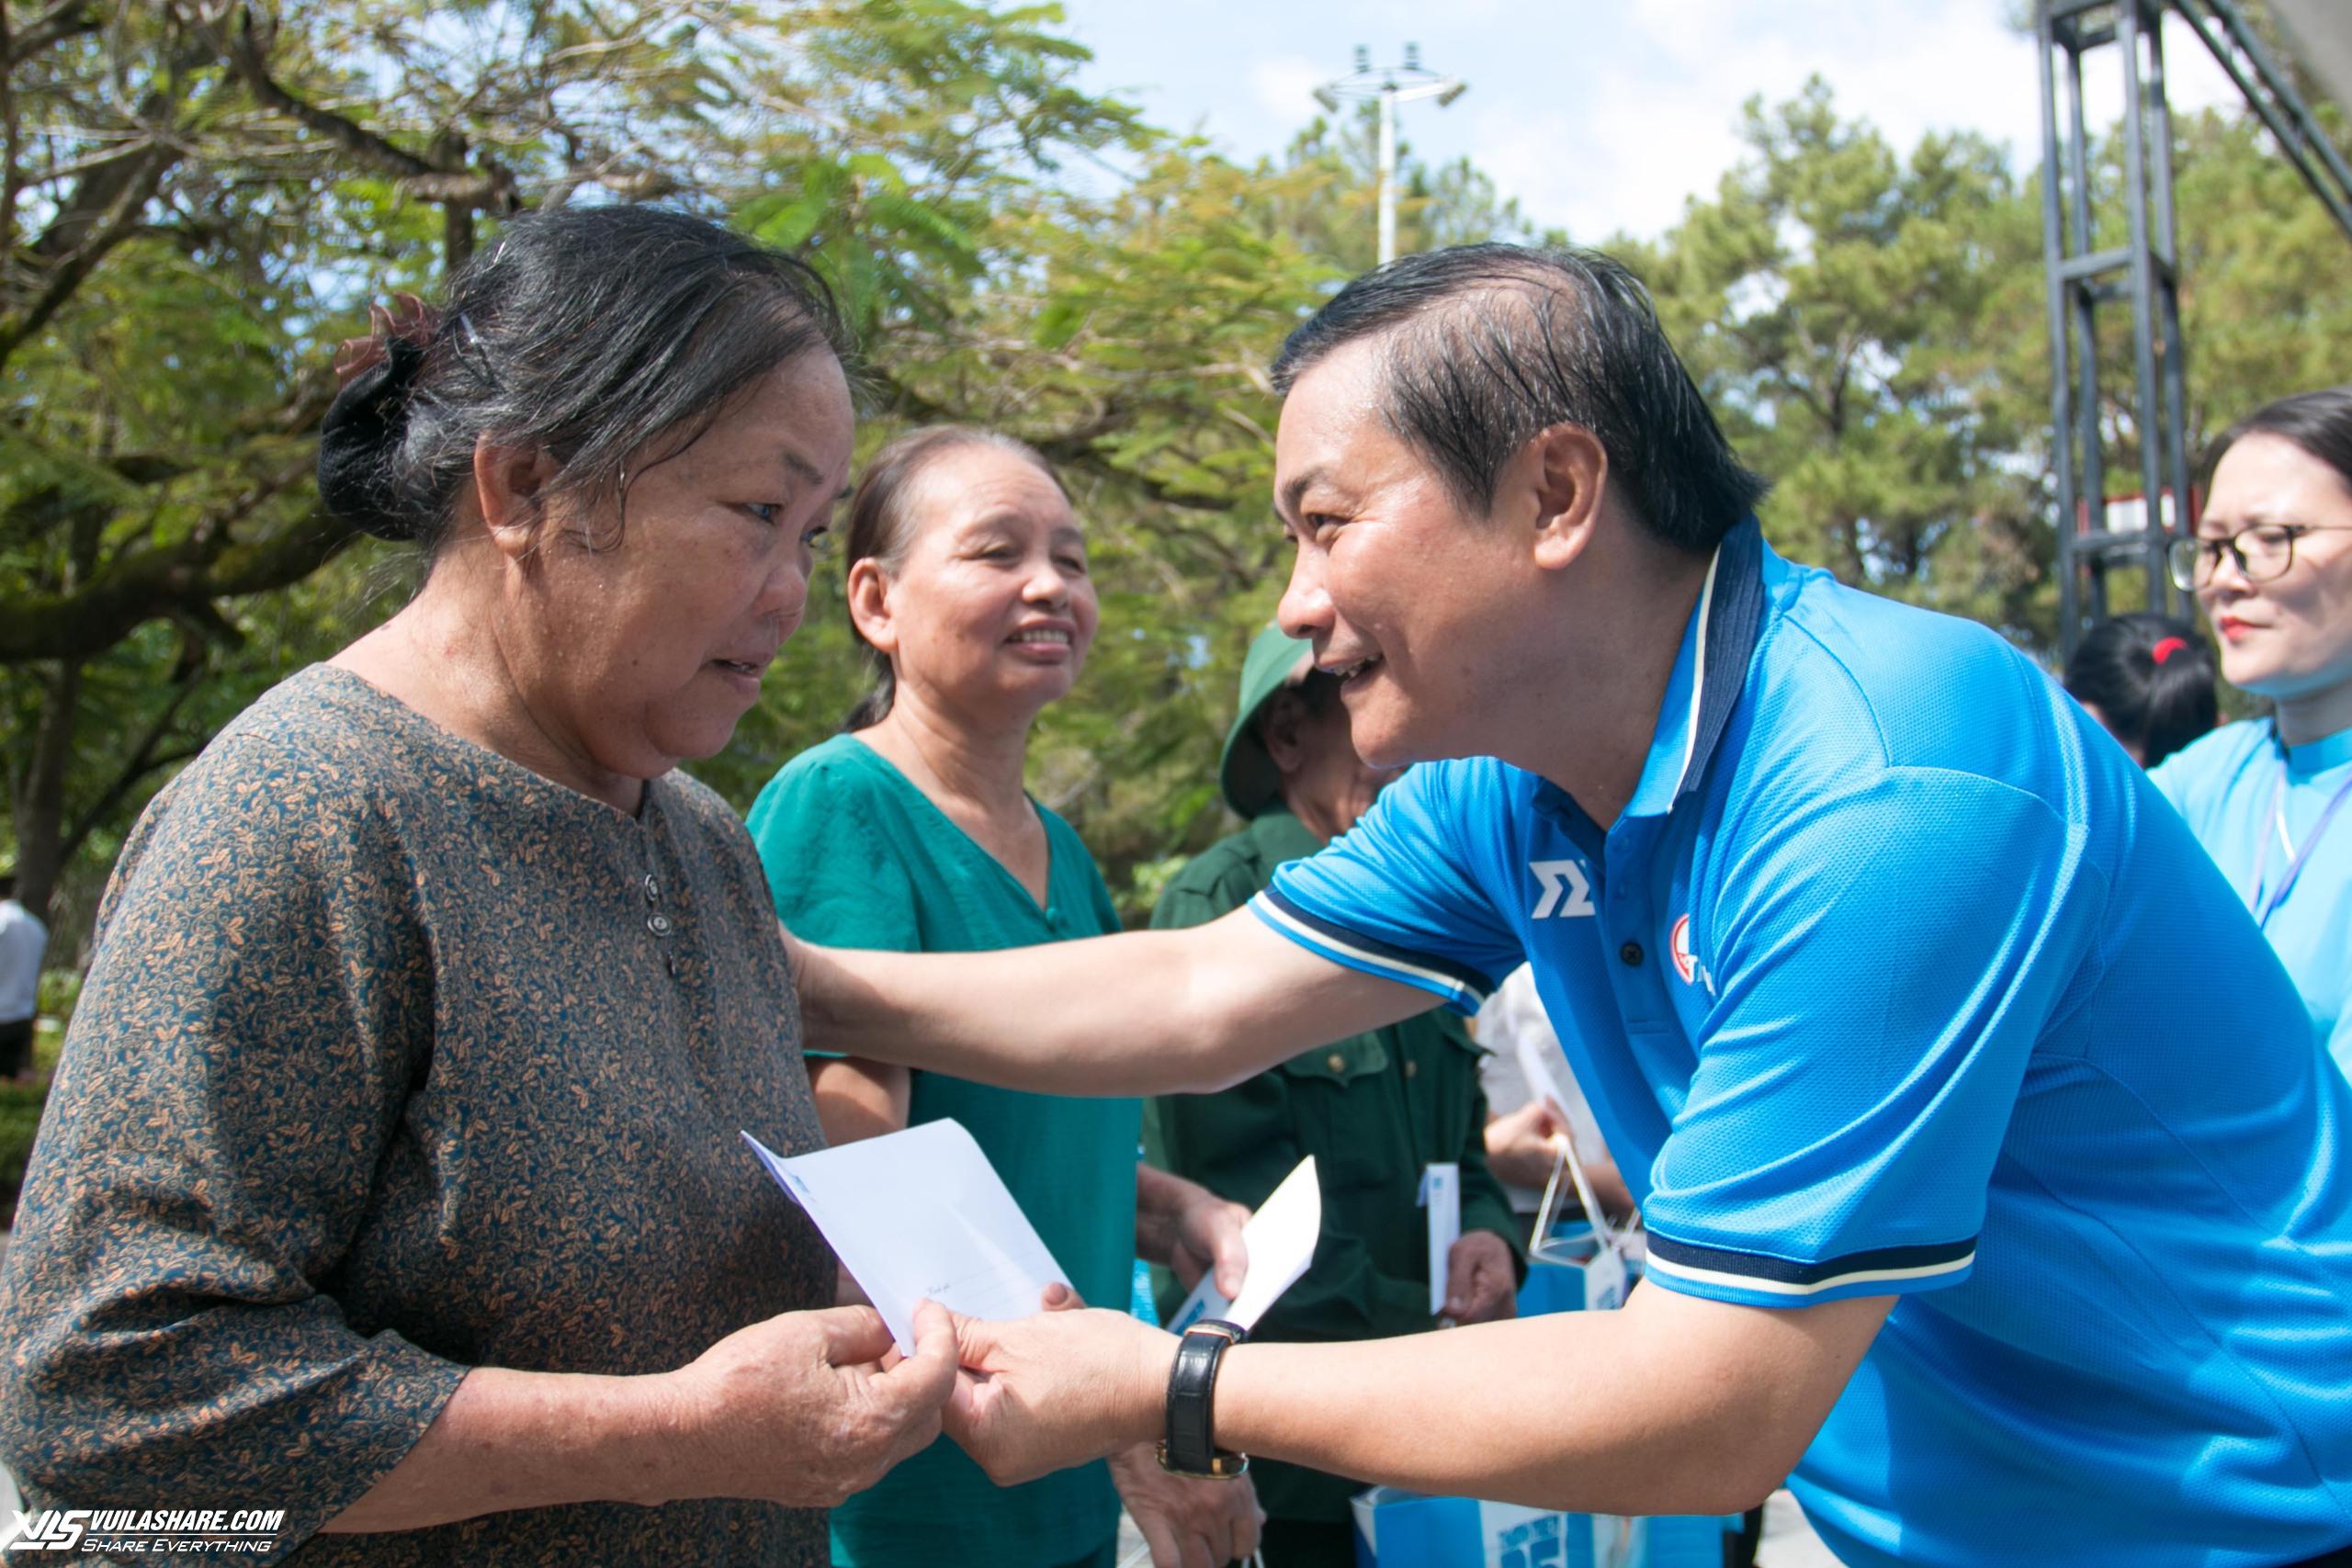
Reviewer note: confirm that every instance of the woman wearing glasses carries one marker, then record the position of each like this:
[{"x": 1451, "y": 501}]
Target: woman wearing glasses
[{"x": 2271, "y": 563}]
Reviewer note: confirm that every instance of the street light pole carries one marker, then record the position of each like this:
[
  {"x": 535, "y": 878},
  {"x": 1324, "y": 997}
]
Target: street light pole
[
  {"x": 1391, "y": 85},
  {"x": 1387, "y": 175}
]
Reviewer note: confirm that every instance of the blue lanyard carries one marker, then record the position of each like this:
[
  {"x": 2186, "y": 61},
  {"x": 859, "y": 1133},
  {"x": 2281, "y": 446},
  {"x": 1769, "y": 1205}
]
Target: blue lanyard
[{"x": 2264, "y": 902}]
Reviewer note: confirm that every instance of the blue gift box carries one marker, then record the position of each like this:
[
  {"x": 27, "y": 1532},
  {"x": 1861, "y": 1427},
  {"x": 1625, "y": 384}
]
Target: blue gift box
[
  {"x": 1414, "y": 1531},
  {"x": 1397, "y": 1528}
]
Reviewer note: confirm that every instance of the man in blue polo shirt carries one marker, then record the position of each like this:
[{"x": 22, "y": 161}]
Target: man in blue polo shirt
[{"x": 1995, "y": 1182}]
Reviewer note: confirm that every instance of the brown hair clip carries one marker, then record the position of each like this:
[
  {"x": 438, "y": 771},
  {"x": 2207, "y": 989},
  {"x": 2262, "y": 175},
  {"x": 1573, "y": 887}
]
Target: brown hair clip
[{"x": 407, "y": 317}]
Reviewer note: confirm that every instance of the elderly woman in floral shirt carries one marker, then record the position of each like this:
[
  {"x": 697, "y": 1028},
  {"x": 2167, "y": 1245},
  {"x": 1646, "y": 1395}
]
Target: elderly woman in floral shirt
[{"x": 390, "y": 1177}]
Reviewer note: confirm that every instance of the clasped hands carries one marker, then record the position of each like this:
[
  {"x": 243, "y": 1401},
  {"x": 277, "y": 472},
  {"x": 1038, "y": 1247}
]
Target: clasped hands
[
  {"x": 1037, "y": 1394},
  {"x": 1025, "y": 1397}
]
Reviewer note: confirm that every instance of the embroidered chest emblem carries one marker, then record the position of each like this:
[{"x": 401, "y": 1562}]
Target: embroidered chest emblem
[{"x": 1566, "y": 890}]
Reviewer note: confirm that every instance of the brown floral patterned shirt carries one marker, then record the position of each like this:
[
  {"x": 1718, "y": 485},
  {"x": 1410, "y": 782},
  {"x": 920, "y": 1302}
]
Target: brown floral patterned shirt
[{"x": 394, "y": 1059}]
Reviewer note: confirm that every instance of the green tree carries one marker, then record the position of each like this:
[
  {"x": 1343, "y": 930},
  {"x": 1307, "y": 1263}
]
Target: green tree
[
  {"x": 1127, "y": 337},
  {"x": 196, "y": 199},
  {"x": 1846, "y": 311},
  {"x": 1873, "y": 330},
  {"x": 2266, "y": 291}
]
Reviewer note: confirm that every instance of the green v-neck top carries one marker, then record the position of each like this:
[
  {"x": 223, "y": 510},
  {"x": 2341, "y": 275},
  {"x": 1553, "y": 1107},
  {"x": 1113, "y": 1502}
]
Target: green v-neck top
[{"x": 857, "y": 856}]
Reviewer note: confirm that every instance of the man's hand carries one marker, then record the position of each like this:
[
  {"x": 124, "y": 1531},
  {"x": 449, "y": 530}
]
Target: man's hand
[
  {"x": 1187, "y": 1523},
  {"x": 1185, "y": 1225},
  {"x": 808, "y": 1409},
  {"x": 1481, "y": 1284},
  {"x": 1524, "y": 1145},
  {"x": 1045, "y": 1393}
]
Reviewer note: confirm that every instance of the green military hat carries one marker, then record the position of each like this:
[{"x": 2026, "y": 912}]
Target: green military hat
[{"x": 1251, "y": 784}]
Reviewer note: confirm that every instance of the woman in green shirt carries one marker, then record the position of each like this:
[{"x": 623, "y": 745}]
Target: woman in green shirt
[{"x": 967, "y": 582}]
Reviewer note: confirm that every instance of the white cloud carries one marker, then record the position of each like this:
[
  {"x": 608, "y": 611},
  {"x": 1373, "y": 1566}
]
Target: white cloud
[
  {"x": 1284, "y": 88},
  {"x": 1657, "y": 120},
  {"x": 1608, "y": 118},
  {"x": 1627, "y": 164}
]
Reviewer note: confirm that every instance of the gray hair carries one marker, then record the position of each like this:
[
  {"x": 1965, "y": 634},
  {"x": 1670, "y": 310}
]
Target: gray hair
[{"x": 590, "y": 333}]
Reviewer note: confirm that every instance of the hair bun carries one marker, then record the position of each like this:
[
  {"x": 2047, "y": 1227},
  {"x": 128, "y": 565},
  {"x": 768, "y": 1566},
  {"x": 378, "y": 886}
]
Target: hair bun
[{"x": 363, "y": 426}]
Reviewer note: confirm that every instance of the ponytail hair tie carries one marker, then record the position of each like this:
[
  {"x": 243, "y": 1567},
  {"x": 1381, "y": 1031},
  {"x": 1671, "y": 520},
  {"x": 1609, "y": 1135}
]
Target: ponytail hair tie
[{"x": 2167, "y": 647}]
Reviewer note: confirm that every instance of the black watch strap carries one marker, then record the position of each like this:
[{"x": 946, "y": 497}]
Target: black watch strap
[{"x": 1191, "y": 1448}]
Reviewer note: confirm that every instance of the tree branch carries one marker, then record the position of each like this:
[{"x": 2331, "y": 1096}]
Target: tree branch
[
  {"x": 451, "y": 182},
  {"x": 179, "y": 579},
  {"x": 144, "y": 760},
  {"x": 101, "y": 231},
  {"x": 67, "y": 19},
  {"x": 244, "y": 57}
]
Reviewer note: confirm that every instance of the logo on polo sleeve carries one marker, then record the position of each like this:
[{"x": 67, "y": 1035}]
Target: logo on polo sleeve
[{"x": 1566, "y": 890}]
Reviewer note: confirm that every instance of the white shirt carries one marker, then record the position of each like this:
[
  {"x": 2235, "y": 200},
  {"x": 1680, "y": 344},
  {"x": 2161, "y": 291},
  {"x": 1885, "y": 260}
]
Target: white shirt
[
  {"x": 1513, "y": 1014},
  {"x": 23, "y": 940}
]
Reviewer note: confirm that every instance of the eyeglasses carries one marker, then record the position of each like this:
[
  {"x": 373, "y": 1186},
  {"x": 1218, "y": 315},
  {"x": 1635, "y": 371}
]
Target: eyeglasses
[{"x": 2264, "y": 552}]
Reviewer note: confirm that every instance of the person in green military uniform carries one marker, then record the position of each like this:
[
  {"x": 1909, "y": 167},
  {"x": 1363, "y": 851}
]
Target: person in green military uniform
[{"x": 1373, "y": 1110}]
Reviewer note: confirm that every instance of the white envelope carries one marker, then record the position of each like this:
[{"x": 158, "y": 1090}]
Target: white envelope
[
  {"x": 1280, "y": 1239},
  {"x": 921, "y": 1215}
]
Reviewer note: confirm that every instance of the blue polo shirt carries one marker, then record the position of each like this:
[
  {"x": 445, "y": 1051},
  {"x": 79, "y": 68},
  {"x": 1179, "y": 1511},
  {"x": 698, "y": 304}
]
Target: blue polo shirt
[
  {"x": 1897, "y": 978},
  {"x": 2254, "y": 803}
]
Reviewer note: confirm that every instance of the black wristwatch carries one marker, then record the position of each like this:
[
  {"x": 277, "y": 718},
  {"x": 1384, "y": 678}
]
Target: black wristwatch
[{"x": 1191, "y": 1445}]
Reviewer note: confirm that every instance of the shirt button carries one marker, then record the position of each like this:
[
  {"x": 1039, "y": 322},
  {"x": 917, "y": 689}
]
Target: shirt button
[
  {"x": 658, "y": 924},
  {"x": 1336, "y": 1062},
  {"x": 652, "y": 888},
  {"x": 1631, "y": 953},
  {"x": 1413, "y": 1069}
]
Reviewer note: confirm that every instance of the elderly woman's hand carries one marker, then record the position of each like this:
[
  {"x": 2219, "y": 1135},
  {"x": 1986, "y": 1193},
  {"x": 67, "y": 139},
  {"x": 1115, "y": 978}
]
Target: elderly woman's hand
[{"x": 806, "y": 1408}]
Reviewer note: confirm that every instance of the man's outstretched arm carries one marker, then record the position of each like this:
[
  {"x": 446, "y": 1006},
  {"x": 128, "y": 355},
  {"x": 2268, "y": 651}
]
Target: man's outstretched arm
[
  {"x": 1673, "y": 1404},
  {"x": 1143, "y": 1012}
]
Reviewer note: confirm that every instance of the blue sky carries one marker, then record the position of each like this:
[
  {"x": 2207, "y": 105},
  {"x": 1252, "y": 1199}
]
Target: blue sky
[{"x": 1596, "y": 116}]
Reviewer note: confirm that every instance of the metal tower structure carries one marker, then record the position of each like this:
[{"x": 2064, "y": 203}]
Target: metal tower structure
[
  {"x": 2085, "y": 277},
  {"x": 2099, "y": 535}
]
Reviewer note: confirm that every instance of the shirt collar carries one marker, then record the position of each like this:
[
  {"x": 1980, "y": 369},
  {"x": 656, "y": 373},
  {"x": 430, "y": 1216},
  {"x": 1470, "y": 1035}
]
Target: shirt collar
[
  {"x": 1710, "y": 671},
  {"x": 2315, "y": 757},
  {"x": 1282, "y": 835}
]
